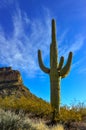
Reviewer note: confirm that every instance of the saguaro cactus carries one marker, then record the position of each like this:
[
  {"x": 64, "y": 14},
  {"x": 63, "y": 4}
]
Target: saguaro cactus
[{"x": 56, "y": 71}]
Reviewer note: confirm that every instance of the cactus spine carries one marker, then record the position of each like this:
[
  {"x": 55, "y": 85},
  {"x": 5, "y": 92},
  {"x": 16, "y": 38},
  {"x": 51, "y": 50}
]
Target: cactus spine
[{"x": 56, "y": 71}]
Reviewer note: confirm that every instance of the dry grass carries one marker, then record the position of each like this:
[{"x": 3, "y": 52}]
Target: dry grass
[
  {"x": 11, "y": 121},
  {"x": 58, "y": 127}
]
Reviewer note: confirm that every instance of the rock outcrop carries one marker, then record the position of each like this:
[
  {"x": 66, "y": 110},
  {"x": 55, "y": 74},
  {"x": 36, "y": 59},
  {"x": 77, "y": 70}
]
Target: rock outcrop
[
  {"x": 11, "y": 83},
  {"x": 9, "y": 77}
]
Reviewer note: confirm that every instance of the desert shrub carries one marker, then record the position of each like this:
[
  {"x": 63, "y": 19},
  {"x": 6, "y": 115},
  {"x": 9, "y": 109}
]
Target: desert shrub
[
  {"x": 36, "y": 106},
  {"x": 41, "y": 109},
  {"x": 80, "y": 107},
  {"x": 10, "y": 121},
  {"x": 42, "y": 126},
  {"x": 68, "y": 114}
]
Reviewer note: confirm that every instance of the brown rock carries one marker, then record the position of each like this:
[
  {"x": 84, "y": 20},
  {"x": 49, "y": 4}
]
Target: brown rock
[
  {"x": 11, "y": 83},
  {"x": 9, "y": 76}
]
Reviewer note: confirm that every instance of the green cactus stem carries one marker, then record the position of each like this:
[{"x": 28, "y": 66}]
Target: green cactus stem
[{"x": 56, "y": 71}]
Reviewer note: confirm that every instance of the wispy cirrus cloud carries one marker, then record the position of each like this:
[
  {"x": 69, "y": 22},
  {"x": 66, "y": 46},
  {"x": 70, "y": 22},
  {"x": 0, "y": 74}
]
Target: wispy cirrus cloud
[
  {"x": 20, "y": 50},
  {"x": 71, "y": 45},
  {"x": 78, "y": 43},
  {"x": 75, "y": 45}
]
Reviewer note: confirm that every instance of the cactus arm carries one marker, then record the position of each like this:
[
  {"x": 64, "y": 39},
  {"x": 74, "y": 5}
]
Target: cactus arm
[
  {"x": 65, "y": 70},
  {"x": 61, "y": 62},
  {"x": 46, "y": 70}
]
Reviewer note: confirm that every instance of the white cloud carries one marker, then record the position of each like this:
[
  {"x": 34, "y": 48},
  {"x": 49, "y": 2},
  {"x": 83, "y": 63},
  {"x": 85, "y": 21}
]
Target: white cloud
[
  {"x": 78, "y": 43},
  {"x": 62, "y": 36},
  {"x": 20, "y": 50},
  {"x": 74, "y": 44},
  {"x": 79, "y": 66}
]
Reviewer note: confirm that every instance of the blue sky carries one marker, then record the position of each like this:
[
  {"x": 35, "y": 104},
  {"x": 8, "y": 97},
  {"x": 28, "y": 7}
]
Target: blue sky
[{"x": 25, "y": 27}]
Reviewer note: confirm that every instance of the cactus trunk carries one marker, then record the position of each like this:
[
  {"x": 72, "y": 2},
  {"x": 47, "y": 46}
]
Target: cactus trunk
[{"x": 55, "y": 93}]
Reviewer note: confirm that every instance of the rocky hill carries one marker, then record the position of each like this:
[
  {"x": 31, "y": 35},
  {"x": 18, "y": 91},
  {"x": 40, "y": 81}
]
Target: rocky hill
[
  {"x": 11, "y": 83},
  {"x": 15, "y": 96}
]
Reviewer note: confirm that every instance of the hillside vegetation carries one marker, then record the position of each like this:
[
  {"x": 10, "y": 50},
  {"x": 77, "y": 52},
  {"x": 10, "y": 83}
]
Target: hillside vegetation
[
  {"x": 32, "y": 113},
  {"x": 31, "y": 105},
  {"x": 36, "y": 107}
]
